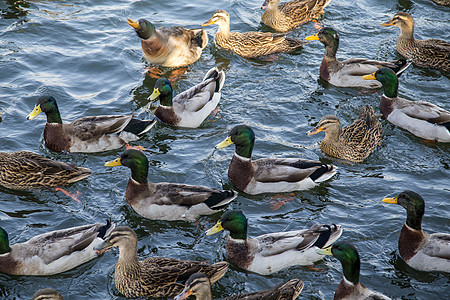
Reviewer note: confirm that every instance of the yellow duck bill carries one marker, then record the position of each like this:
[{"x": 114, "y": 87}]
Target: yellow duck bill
[
  {"x": 36, "y": 111},
  {"x": 113, "y": 163},
  {"x": 227, "y": 142},
  {"x": 215, "y": 229}
]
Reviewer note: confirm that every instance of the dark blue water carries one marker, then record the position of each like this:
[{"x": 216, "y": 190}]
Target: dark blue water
[{"x": 86, "y": 56}]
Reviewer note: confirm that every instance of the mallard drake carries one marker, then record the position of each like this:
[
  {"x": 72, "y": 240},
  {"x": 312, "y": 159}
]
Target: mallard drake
[
  {"x": 354, "y": 142},
  {"x": 350, "y": 287},
  {"x": 423, "y": 119},
  {"x": 170, "y": 47},
  {"x": 420, "y": 250},
  {"x": 191, "y": 107},
  {"x": 52, "y": 252},
  {"x": 88, "y": 134},
  {"x": 47, "y": 294},
  {"x": 155, "y": 276},
  {"x": 27, "y": 170},
  {"x": 250, "y": 44},
  {"x": 199, "y": 285},
  {"x": 271, "y": 252},
  {"x": 432, "y": 53},
  {"x": 167, "y": 201},
  {"x": 291, "y": 14},
  {"x": 269, "y": 175},
  {"x": 348, "y": 72}
]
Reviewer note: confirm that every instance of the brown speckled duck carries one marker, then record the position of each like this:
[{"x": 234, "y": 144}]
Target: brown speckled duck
[
  {"x": 47, "y": 294},
  {"x": 250, "y": 44},
  {"x": 88, "y": 134},
  {"x": 432, "y": 53},
  {"x": 156, "y": 276},
  {"x": 170, "y": 47},
  {"x": 200, "y": 286},
  {"x": 27, "y": 170},
  {"x": 354, "y": 142},
  {"x": 291, "y": 14}
]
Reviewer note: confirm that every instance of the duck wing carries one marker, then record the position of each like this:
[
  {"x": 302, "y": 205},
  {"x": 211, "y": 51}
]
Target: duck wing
[
  {"x": 89, "y": 128},
  {"x": 423, "y": 110},
  {"x": 438, "y": 245},
  {"x": 195, "y": 98}
]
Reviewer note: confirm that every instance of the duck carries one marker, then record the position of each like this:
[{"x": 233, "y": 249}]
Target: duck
[
  {"x": 170, "y": 47},
  {"x": 272, "y": 252},
  {"x": 354, "y": 142},
  {"x": 87, "y": 134},
  {"x": 348, "y": 73},
  {"x": 47, "y": 294},
  {"x": 442, "y": 2},
  {"x": 423, "y": 119},
  {"x": 250, "y": 44},
  {"x": 292, "y": 14},
  {"x": 23, "y": 170},
  {"x": 155, "y": 276},
  {"x": 167, "y": 201},
  {"x": 432, "y": 53},
  {"x": 420, "y": 250},
  {"x": 269, "y": 175},
  {"x": 350, "y": 288},
  {"x": 199, "y": 285},
  {"x": 190, "y": 108},
  {"x": 52, "y": 252}
]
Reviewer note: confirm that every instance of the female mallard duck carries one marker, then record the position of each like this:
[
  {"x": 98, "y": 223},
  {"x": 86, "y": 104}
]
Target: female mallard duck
[
  {"x": 432, "y": 53},
  {"x": 420, "y": 250},
  {"x": 271, "y": 252},
  {"x": 354, "y": 142},
  {"x": 47, "y": 294},
  {"x": 269, "y": 175},
  {"x": 26, "y": 170},
  {"x": 348, "y": 72},
  {"x": 88, "y": 134},
  {"x": 52, "y": 252},
  {"x": 167, "y": 201},
  {"x": 423, "y": 119},
  {"x": 199, "y": 285},
  {"x": 350, "y": 287},
  {"x": 155, "y": 276},
  {"x": 442, "y": 2},
  {"x": 190, "y": 108},
  {"x": 170, "y": 47},
  {"x": 291, "y": 14},
  {"x": 250, "y": 44}
]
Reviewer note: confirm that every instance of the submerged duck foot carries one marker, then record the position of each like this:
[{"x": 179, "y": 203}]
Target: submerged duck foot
[
  {"x": 71, "y": 195},
  {"x": 277, "y": 204},
  {"x": 128, "y": 146}
]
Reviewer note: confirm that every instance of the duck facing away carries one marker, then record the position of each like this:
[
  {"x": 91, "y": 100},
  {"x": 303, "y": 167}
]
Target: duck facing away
[
  {"x": 350, "y": 288},
  {"x": 52, "y": 252},
  {"x": 167, "y": 201},
  {"x": 432, "y": 53},
  {"x": 87, "y": 134},
  {"x": 348, "y": 73},
  {"x": 269, "y": 175},
  {"x": 156, "y": 276},
  {"x": 271, "y": 252},
  {"x": 250, "y": 44},
  {"x": 170, "y": 47},
  {"x": 47, "y": 294},
  {"x": 420, "y": 250},
  {"x": 354, "y": 142},
  {"x": 199, "y": 285},
  {"x": 423, "y": 119},
  {"x": 291, "y": 14},
  {"x": 24, "y": 170},
  {"x": 191, "y": 107}
]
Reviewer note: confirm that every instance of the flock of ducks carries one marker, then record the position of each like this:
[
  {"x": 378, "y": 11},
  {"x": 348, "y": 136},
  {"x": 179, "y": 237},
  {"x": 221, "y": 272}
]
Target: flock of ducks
[{"x": 61, "y": 250}]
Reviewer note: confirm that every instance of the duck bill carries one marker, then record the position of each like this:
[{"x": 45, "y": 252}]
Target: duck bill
[
  {"x": 390, "y": 23},
  {"x": 134, "y": 24},
  {"x": 369, "y": 77},
  {"x": 227, "y": 142},
  {"x": 265, "y": 4},
  {"x": 312, "y": 37},
  {"x": 314, "y": 131},
  {"x": 390, "y": 200},
  {"x": 105, "y": 245},
  {"x": 325, "y": 251},
  {"x": 183, "y": 295},
  {"x": 36, "y": 111},
  {"x": 215, "y": 229},
  {"x": 154, "y": 95},
  {"x": 113, "y": 163},
  {"x": 209, "y": 22}
]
